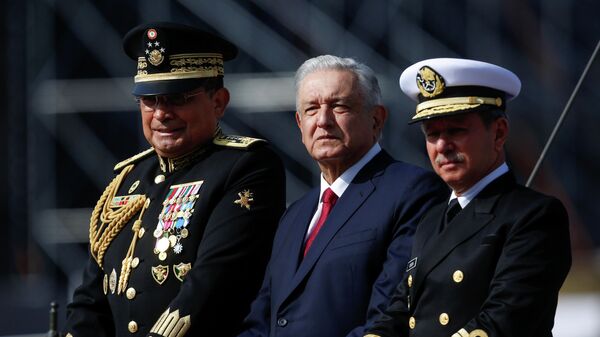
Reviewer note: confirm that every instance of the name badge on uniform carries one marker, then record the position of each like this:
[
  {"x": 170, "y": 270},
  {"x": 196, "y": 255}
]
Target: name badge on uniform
[{"x": 411, "y": 264}]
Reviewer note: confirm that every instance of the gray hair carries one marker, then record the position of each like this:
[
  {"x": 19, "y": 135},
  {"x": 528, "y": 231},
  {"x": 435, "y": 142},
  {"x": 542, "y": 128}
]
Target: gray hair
[{"x": 367, "y": 81}]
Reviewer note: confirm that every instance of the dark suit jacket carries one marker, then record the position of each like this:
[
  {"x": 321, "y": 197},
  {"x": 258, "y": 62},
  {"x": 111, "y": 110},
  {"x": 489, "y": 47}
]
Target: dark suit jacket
[
  {"x": 227, "y": 248},
  {"x": 356, "y": 260},
  {"x": 494, "y": 271}
]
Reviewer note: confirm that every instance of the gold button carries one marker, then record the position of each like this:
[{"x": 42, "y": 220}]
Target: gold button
[
  {"x": 135, "y": 262},
  {"x": 409, "y": 281},
  {"x": 458, "y": 276},
  {"x": 141, "y": 232},
  {"x": 412, "y": 323},
  {"x": 444, "y": 319},
  {"x": 130, "y": 293},
  {"x": 159, "y": 179},
  {"x": 132, "y": 326}
]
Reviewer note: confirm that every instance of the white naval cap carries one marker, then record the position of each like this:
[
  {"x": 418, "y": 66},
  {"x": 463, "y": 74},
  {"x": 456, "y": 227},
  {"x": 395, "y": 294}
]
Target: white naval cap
[{"x": 447, "y": 86}]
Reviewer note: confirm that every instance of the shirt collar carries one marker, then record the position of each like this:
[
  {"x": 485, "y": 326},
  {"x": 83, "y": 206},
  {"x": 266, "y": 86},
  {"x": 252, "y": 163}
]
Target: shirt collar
[
  {"x": 472, "y": 192},
  {"x": 342, "y": 182}
]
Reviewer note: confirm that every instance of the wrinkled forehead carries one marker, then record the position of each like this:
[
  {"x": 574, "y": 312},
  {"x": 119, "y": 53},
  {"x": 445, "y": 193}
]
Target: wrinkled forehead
[{"x": 322, "y": 85}]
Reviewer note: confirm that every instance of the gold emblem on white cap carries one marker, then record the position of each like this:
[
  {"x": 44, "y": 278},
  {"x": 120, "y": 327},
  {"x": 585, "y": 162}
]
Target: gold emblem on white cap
[{"x": 429, "y": 82}]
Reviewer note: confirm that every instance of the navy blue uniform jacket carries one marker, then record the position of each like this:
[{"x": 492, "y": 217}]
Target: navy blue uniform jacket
[
  {"x": 356, "y": 260},
  {"x": 495, "y": 271}
]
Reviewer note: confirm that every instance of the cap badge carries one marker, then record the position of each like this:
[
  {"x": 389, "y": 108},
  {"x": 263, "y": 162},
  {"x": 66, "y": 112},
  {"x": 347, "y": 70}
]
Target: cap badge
[
  {"x": 152, "y": 34},
  {"x": 154, "y": 51},
  {"x": 429, "y": 82}
]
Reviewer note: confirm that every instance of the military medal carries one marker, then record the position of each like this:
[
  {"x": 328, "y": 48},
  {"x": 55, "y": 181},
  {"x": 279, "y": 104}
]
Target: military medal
[
  {"x": 160, "y": 273},
  {"x": 177, "y": 210},
  {"x": 181, "y": 270}
]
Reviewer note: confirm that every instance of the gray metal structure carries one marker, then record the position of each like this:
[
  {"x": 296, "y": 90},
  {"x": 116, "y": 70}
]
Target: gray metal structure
[{"x": 69, "y": 115}]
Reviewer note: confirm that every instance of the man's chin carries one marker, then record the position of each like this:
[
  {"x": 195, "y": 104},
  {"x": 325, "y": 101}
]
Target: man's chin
[{"x": 168, "y": 150}]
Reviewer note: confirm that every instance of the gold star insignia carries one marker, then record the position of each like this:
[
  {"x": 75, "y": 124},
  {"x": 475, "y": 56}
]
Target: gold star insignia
[{"x": 245, "y": 199}]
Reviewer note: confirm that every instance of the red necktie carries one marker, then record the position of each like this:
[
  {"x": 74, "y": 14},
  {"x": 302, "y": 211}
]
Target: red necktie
[{"x": 329, "y": 199}]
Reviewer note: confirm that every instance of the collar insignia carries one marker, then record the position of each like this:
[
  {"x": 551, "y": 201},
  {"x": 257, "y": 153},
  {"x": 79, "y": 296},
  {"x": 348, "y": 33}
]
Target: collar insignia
[{"x": 246, "y": 198}]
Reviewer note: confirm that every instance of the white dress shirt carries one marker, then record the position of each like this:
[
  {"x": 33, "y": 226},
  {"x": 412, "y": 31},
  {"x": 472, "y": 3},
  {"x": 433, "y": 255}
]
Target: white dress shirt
[
  {"x": 340, "y": 185},
  {"x": 472, "y": 192}
]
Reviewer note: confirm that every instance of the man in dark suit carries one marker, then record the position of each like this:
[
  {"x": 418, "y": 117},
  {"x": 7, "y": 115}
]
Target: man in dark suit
[
  {"x": 491, "y": 259},
  {"x": 340, "y": 250},
  {"x": 180, "y": 239}
]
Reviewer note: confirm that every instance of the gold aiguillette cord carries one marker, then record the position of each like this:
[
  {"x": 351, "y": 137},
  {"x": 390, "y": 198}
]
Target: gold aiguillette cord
[{"x": 126, "y": 264}]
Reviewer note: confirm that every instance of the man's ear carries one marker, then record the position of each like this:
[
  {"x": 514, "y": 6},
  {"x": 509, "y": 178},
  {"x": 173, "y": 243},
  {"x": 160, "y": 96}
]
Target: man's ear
[
  {"x": 220, "y": 99},
  {"x": 501, "y": 133},
  {"x": 298, "y": 120},
  {"x": 379, "y": 114}
]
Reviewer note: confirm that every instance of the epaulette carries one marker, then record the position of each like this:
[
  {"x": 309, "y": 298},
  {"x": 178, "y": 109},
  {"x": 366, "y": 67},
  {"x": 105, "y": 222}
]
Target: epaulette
[
  {"x": 239, "y": 142},
  {"x": 133, "y": 159}
]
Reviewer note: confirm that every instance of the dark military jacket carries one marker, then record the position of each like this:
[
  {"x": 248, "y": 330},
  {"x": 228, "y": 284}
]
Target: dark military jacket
[
  {"x": 495, "y": 270},
  {"x": 195, "y": 237}
]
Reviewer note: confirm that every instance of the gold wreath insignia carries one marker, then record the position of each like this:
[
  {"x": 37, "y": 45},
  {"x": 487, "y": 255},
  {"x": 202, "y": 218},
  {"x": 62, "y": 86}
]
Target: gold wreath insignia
[{"x": 429, "y": 82}]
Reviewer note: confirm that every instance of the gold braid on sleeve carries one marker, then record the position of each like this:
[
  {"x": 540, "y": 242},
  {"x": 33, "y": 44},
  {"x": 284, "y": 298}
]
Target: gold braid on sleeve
[{"x": 107, "y": 222}]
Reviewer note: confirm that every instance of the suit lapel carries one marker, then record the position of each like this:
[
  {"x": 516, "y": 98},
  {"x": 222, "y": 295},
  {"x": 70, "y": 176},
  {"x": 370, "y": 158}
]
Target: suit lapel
[
  {"x": 295, "y": 238},
  {"x": 467, "y": 223},
  {"x": 356, "y": 194}
]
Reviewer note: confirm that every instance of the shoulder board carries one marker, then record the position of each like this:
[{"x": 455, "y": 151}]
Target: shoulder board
[
  {"x": 133, "y": 159},
  {"x": 239, "y": 142}
]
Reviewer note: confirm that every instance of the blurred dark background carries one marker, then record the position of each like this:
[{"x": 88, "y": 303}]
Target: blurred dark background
[{"x": 69, "y": 117}]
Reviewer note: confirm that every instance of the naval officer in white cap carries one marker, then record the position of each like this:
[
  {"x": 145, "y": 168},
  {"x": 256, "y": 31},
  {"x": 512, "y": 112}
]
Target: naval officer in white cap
[{"x": 490, "y": 260}]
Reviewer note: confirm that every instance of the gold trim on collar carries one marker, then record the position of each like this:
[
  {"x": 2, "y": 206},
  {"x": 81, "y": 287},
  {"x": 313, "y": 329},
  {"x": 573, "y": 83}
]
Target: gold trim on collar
[{"x": 169, "y": 165}]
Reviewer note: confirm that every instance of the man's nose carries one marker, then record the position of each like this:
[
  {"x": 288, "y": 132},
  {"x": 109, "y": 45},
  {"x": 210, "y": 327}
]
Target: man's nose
[
  {"x": 325, "y": 116},
  {"x": 444, "y": 144},
  {"x": 162, "y": 112}
]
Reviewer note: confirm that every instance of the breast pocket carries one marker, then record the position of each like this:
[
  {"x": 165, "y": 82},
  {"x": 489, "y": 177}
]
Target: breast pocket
[{"x": 354, "y": 238}]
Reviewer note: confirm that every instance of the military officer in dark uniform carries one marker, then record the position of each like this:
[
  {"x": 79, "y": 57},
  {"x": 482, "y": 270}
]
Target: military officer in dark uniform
[
  {"x": 491, "y": 259},
  {"x": 180, "y": 238}
]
